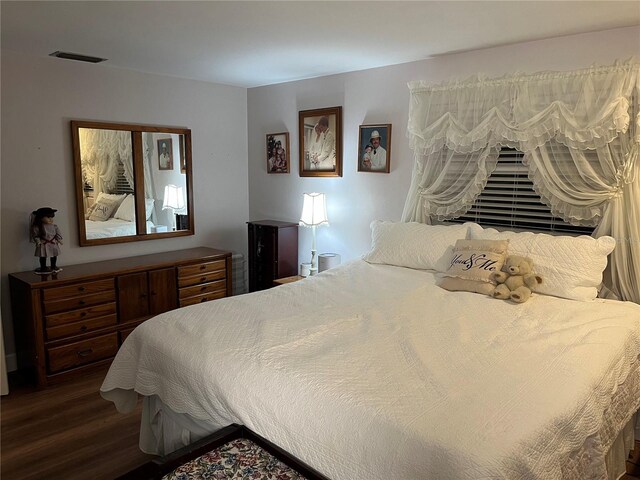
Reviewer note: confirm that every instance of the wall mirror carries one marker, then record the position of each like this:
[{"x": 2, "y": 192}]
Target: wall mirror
[{"x": 133, "y": 182}]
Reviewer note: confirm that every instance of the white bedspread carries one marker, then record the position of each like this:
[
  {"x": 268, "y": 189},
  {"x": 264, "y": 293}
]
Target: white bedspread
[
  {"x": 373, "y": 372},
  {"x": 113, "y": 227}
]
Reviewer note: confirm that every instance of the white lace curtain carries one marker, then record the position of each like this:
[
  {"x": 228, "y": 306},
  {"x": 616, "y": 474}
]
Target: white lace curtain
[
  {"x": 100, "y": 152},
  {"x": 579, "y": 131}
]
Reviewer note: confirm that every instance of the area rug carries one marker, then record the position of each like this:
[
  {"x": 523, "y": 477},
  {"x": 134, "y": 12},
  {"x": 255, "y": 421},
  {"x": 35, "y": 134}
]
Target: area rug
[{"x": 238, "y": 459}]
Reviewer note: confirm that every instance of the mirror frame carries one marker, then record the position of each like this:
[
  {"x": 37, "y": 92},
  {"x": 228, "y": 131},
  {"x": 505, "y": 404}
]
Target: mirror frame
[{"x": 138, "y": 171}]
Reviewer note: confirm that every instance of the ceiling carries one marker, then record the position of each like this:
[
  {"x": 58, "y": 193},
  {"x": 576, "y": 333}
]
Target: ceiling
[{"x": 253, "y": 43}]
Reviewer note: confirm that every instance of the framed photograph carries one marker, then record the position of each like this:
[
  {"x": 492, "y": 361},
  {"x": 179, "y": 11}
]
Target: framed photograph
[
  {"x": 277, "y": 152},
  {"x": 374, "y": 148},
  {"x": 320, "y": 142},
  {"x": 165, "y": 154},
  {"x": 183, "y": 164}
]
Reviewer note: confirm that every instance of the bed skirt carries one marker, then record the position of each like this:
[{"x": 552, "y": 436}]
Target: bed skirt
[{"x": 163, "y": 431}]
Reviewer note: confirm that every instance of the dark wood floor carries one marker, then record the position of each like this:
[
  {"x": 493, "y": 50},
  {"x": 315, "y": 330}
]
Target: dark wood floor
[{"x": 69, "y": 432}]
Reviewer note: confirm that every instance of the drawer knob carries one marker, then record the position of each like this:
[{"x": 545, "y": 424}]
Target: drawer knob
[
  {"x": 202, "y": 289},
  {"x": 204, "y": 300},
  {"x": 81, "y": 302},
  {"x": 83, "y": 314},
  {"x": 83, "y": 328},
  {"x": 85, "y": 353},
  {"x": 203, "y": 279},
  {"x": 202, "y": 267},
  {"x": 81, "y": 289}
]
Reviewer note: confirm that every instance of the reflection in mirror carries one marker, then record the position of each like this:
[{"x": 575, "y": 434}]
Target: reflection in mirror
[
  {"x": 165, "y": 181},
  {"x": 106, "y": 158}
]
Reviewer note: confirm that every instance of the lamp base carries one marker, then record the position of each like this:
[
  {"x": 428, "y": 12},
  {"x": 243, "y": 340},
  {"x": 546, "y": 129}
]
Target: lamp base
[{"x": 314, "y": 259}]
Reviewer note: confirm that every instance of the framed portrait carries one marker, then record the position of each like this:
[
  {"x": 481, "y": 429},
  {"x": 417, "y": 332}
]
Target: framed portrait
[
  {"x": 165, "y": 154},
  {"x": 374, "y": 148},
  {"x": 277, "y": 152},
  {"x": 320, "y": 142}
]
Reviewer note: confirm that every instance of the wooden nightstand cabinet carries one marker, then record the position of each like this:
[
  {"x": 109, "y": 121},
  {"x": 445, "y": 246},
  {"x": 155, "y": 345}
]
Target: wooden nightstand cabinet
[
  {"x": 76, "y": 320},
  {"x": 273, "y": 252}
]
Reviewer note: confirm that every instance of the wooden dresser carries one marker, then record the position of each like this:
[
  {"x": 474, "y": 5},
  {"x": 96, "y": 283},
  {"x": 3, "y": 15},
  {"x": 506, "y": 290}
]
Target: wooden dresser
[{"x": 75, "y": 320}]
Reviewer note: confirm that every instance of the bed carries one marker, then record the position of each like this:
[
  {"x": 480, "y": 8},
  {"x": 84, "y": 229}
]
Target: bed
[
  {"x": 113, "y": 215},
  {"x": 371, "y": 370},
  {"x": 113, "y": 227}
]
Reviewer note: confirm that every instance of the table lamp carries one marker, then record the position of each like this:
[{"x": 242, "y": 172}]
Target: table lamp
[
  {"x": 314, "y": 213},
  {"x": 173, "y": 200}
]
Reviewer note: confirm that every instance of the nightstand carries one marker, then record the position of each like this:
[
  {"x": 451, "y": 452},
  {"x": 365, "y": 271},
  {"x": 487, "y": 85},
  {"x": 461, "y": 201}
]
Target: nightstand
[{"x": 282, "y": 281}]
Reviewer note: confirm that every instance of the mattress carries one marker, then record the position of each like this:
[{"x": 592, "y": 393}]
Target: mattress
[{"x": 374, "y": 372}]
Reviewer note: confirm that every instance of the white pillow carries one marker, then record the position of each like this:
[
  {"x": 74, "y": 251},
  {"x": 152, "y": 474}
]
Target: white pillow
[
  {"x": 127, "y": 209},
  {"x": 412, "y": 244},
  {"x": 148, "y": 206},
  {"x": 571, "y": 267}
]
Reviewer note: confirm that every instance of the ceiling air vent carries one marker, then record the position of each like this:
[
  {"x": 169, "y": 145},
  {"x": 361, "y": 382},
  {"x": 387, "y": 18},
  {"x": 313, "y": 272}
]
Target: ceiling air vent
[{"x": 77, "y": 56}]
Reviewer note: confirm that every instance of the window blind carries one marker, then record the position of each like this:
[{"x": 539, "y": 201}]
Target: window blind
[
  {"x": 122, "y": 184},
  {"x": 509, "y": 200}
]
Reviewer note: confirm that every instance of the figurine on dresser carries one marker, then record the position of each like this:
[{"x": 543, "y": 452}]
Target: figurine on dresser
[{"x": 47, "y": 237}]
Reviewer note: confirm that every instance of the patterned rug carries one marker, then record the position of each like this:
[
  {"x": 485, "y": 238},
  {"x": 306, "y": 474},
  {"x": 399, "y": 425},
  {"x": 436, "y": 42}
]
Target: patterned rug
[{"x": 238, "y": 459}]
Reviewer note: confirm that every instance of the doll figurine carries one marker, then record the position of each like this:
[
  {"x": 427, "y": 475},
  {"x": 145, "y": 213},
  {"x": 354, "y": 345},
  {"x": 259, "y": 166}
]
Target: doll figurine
[{"x": 47, "y": 237}]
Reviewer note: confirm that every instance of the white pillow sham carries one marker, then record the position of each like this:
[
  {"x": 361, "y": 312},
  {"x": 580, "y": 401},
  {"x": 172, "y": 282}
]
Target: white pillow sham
[
  {"x": 412, "y": 244},
  {"x": 127, "y": 210},
  {"x": 571, "y": 267},
  {"x": 148, "y": 206}
]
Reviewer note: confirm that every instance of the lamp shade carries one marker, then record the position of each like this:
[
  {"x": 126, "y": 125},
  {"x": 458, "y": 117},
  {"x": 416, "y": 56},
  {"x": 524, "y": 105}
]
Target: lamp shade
[
  {"x": 173, "y": 197},
  {"x": 314, "y": 210}
]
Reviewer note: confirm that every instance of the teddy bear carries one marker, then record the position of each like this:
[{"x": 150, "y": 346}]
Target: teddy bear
[{"x": 515, "y": 280}]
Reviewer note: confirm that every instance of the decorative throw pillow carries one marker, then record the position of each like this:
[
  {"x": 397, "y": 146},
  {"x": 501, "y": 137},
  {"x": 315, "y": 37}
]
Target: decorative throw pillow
[
  {"x": 412, "y": 244},
  {"x": 477, "y": 259},
  {"x": 571, "y": 266},
  {"x": 117, "y": 197},
  {"x": 103, "y": 209},
  {"x": 127, "y": 209}
]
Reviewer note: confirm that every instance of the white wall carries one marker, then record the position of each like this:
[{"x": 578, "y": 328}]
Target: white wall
[
  {"x": 381, "y": 96},
  {"x": 39, "y": 98}
]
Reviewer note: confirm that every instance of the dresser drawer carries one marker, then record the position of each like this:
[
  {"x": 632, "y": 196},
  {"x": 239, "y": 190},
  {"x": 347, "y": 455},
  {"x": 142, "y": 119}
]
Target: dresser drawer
[
  {"x": 82, "y": 353},
  {"x": 202, "y": 298},
  {"x": 201, "y": 268},
  {"x": 80, "y": 314},
  {"x": 78, "y": 289},
  {"x": 201, "y": 278},
  {"x": 219, "y": 285},
  {"x": 79, "y": 302},
  {"x": 83, "y": 326}
]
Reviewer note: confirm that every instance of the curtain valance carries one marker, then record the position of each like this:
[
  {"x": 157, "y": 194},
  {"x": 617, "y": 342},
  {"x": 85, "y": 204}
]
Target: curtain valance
[
  {"x": 580, "y": 134},
  {"x": 584, "y": 109}
]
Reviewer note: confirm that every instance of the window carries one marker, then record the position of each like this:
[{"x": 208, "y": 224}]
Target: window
[{"x": 509, "y": 201}]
